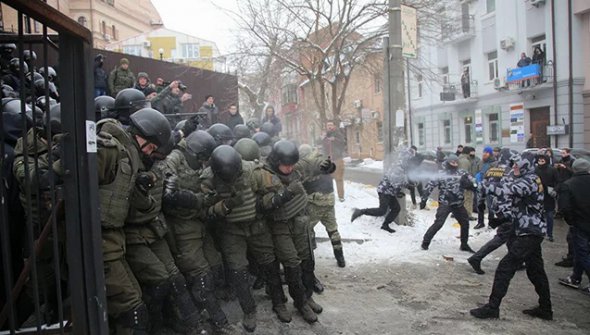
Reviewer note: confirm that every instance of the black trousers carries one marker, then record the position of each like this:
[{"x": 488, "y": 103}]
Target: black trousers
[
  {"x": 413, "y": 191},
  {"x": 386, "y": 202},
  {"x": 442, "y": 213},
  {"x": 522, "y": 249},
  {"x": 503, "y": 233}
]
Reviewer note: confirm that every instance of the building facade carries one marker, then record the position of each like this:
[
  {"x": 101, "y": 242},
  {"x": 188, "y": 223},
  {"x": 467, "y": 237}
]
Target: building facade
[
  {"x": 172, "y": 46},
  {"x": 501, "y": 102},
  {"x": 108, "y": 20}
]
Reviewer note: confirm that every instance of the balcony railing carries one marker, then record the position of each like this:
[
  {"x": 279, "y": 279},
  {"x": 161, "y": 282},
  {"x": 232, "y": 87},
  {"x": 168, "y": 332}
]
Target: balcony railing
[
  {"x": 529, "y": 76},
  {"x": 456, "y": 91},
  {"x": 459, "y": 30}
]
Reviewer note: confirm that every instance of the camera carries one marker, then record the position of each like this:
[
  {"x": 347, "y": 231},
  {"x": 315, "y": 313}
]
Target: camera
[{"x": 182, "y": 86}]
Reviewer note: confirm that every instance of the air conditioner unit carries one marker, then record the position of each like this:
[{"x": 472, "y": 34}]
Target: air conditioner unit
[
  {"x": 499, "y": 83},
  {"x": 358, "y": 103},
  {"x": 507, "y": 43},
  {"x": 147, "y": 44},
  {"x": 107, "y": 37},
  {"x": 537, "y": 3}
]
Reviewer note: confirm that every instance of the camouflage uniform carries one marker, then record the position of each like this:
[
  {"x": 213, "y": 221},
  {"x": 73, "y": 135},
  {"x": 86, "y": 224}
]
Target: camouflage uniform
[
  {"x": 150, "y": 258},
  {"x": 191, "y": 244},
  {"x": 120, "y": 79},
  {"x": 525, "y": 193},
  {"x": 118, "y": 162},
  {"x": 451, "y": 184}
]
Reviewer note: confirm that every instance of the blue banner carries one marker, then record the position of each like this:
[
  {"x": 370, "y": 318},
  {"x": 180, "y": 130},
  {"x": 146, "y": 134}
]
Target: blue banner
[{"x": 521, "y": 73}]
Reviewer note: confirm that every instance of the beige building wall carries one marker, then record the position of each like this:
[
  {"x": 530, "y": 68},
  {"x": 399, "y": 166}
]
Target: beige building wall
[
  {"x": 582, "y": 11},
  {"x": 109, "y": 20}
]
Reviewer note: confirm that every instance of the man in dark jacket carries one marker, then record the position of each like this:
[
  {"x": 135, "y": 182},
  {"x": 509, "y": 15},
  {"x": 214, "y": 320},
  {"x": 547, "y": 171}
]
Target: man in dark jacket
[
  {"x": 232, "y": 117},
  {"x": 270, "y": 116},
  {"x": 525, "y": 191},
  {"x": 143, "y": 83},
  {"x": 548, "y": 176},
  {"x": 334, "y": 146},
  {"x": 564, "y": 166},
  {"x": 208, "y": 112},
  {"x": 574, "y": 202},
  {"x": 100, "y": 76}
]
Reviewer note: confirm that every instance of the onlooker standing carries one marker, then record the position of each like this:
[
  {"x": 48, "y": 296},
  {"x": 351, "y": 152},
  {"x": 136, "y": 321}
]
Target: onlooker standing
[
  {"x": 564, "y": 166},
  {"x": 143, "y": 82},
  {"x": 334, "y": 145},
  {"x": 471, "y": 164},
  {"x": 574, "y": 202},
  {"x": 524, "y": 60},
  {"x": 548, "y": 176},
  {"x": 232, "y": 117},
  {"x": 465, "y": 83},
  {"x": 487, "y": 162},
  {"x": 121, "y": 78},
  {"x": 160, "y": 85},
  {"x": 459, "y": 150},
  {"x": 170, "y": 100},
  {"x": 539, "y": 58},
  {"x": 530, "y": 143},
  {"x": 100, "y": 76},
  {"x": 497, "y": 151},
  {"x": 209, "y": 112},
  {"x": 270, "y": 116}
]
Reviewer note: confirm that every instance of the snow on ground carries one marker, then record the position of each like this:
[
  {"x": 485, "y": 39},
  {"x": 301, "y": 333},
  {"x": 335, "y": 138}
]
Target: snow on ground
[{"x": 374, "y": 245}]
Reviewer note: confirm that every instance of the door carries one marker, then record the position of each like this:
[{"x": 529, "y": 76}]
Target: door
[{"x": 539, "y": 123}]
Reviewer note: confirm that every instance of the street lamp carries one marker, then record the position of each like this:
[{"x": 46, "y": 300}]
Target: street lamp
[{"x": 161, "y": 51}]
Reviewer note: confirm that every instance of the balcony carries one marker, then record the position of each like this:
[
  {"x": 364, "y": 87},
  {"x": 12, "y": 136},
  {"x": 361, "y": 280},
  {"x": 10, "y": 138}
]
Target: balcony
[
  {"x": 455, "y": 92},
  {"x": 458, "y": 30},
  {"x": 528, "y": 77}
]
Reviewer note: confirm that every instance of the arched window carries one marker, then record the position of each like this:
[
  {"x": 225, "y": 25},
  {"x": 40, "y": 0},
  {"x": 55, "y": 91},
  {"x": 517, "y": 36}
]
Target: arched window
[{"x": 82, "y": 21}]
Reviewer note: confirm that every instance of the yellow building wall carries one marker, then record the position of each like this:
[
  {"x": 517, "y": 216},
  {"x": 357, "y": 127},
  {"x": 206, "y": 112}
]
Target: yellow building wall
[{"x": 168, "y": 43}]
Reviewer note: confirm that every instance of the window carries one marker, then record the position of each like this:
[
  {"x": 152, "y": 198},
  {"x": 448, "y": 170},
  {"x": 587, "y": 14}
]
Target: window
[
  {"x": 378, "y": 82},
  {"x": 444, "y": 73},
  {"x": 494, "y": 128},
  {"x": 111, "y": 2},
  {"x": 492, "y": 65},
  {"x": 447, "y": 131},
  {"x": 538, "y": 41},
  {"x": 82, "y": 21},
  {"x": 490, "y": 6},
  {"x": 379, "y": 131},
  {"x": 190, "y": 50},
  {"x": 35, "y": 26},
  {"x": 114, "y": 30},
  {"x": 103, "y": 27},
  {"x": 420, "y": 80},
  {"x": 468, "y": 121},
  {"x": 132, "y": 50},
  {"x": 421, "y": 134},
  {"x": 357, "y": 137},
  {"x": 289, "y": 94}
]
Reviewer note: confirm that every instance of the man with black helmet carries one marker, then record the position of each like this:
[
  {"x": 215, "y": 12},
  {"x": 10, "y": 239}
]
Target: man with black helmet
[
  {"x": 221, "y": 133},
  {"x": 264, "y": 142},
  {"x": 248, "y": 149},
  {"x": 6, "y": 50},
  {"x": 241, "y": 131},
  {"x": 119, "y": 158},
  {"x": 525, "y": 192},
  {"x": 451, "y": 183},
  {"x": 103, "y": 105},
  {"x": 233, "y": 189},
  {"x": 12, "y": 78},
  {"x": 289, "y": 224},
  {"x": 183, "y": 204},
  {"x": 127, "y": 102}
]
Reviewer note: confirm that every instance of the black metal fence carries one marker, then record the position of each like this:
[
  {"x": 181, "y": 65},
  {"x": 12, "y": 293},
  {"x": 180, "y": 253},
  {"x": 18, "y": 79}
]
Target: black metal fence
[{"x": 50, "y": 238}]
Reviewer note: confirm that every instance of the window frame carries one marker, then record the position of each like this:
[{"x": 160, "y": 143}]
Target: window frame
[
  {"x": 447, "y": 127},
  {"x": 488, "y": 2},
  {"x": 492, "y": 66},
  {"x": 496, "y": 133},
  {"x": 194, "y": 47},
  {"x": 421, "y": 133}
]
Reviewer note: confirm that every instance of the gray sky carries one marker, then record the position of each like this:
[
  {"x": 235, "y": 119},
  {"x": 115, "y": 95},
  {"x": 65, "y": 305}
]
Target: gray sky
[{"x": 199, "y": 18}]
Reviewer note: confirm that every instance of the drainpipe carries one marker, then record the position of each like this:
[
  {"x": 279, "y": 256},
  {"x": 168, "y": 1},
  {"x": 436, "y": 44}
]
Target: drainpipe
[
  {"x": 571, "y": 78},
  {"x": 554, "y": 65}
]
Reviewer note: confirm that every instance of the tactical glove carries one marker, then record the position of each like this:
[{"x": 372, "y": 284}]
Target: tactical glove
[
  {"x": 281, "y": 196},
  {"x": 145, "y": 181},
  {"x": 235, "y": 201},
  {"x": 327, "y": 166},
  {"x": 423, "y": 204}
]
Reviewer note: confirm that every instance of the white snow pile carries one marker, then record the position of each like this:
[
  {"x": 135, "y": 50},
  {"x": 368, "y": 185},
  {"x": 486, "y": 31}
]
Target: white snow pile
[{"x": 365, "y": 241}]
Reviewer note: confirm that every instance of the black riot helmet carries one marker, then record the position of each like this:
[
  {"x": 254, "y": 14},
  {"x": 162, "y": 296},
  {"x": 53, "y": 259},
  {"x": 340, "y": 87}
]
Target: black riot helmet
[
  {"x": 226, "y": 163},
  {"x": 51, "y": 74},
  {"x": 180, "y": 125},
  {"x": 241, "y": 131},
  {"x": 29, "y": 55},
  {"x": 199, "y": 146},
  {"x": 15, "y": 66},
  {"x": 283, "y": 152},
  {"x": 221, "y": 133},
  {"x": 151, "y": 125},
  {"x": 165, "y": 150},
  {"x": 103, "y": 106},
  {"x": 40, "y": 89},
  {"x": 127, "y": 102},
  {"x": 262, "y": 139},
  {"x": 13, "y": 105},
  {"x": 268, "y": 128},
  {"x": 54, "y": 120},
  {"x": 248, "y": 149},
  {"x": 12, "y": 125},
  {"x": 7, "y": 48},
  {"x": 41, "y": 103},
  {"x": 8, "y": 92}
]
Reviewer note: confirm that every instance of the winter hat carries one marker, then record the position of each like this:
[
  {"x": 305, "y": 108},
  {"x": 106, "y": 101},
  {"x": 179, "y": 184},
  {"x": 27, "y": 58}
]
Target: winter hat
[
  {"x": 124, "y": 61},
  {"x": 488, "y": 149},
  {"x": 452, "y": 158},
  {"x": 149, "y": 90},
  {"x": 144, "y": 75},
  {"x": 581, "y": 165}
]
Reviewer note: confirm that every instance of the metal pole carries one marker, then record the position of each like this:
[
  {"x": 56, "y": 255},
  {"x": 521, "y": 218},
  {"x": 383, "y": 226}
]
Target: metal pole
[
  {"x": 409, "y": 123},
  {"x": 571, "y": 78},
  {"x": 554, "y": 65}
]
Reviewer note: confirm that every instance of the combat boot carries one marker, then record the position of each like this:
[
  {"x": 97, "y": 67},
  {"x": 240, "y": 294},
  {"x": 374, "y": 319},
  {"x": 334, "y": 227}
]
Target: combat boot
[
  {"x": 339, "y": 254},
  {"x": 485, "y": 312},
  {"x": 466, "y": 247},
  {"x": 476, "y": 265},
  {"x": 275, "y": 287},
  {"x": 356, "y": 213},
  {"x": 154, "y": 296},
  {"x": 298, "y": 292},
  {"x": 135, "y": 321},
  {"x": 186, "y": 318},
  {"x": 203, "y": 291},
  {"x": 242, "y": 288},
  {"x": 538, "y": 312},
  {"x": 315, "y": 307}
]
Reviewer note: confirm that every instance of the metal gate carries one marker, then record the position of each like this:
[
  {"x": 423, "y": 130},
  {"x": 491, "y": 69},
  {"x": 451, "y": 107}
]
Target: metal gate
[{"x": 50, "y": 247}]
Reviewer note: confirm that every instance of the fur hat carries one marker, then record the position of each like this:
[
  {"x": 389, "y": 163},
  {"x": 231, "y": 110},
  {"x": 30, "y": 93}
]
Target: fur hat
[{"x": 581, "y": 165}]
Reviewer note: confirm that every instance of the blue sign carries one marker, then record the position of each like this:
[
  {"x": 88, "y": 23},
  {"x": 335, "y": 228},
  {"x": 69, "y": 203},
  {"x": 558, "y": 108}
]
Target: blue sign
[{"x": 522, "y": 73}]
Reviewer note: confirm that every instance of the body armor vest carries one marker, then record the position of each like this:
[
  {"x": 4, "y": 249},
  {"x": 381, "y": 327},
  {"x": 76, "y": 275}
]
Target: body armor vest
[
  {"x": 247, "y": 211},
  {"x": 291, "y": 208}
]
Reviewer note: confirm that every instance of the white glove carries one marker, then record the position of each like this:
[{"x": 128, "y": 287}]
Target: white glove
[{"x": 551, "y": 192}]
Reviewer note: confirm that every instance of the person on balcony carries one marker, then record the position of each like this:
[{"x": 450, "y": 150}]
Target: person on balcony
[
  {"x": 539, "y": 58},
  {"x": 465, "y": 83},
  {"x": 524, "y": 61}
]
